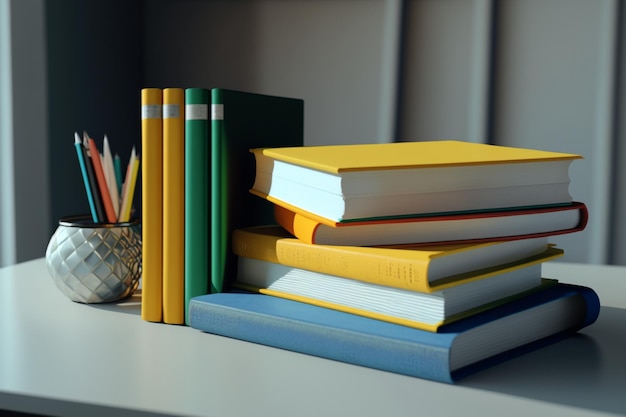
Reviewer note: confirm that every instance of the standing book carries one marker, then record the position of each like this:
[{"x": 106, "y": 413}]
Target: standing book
[
  {"x": 152, "y": 204},
  {"x": 174, "y": 205},
  {"x": 485, "y": 226},
  {"x": 341, "y": 183},
  {"x": 459, "y": 349},
  {"x": 197, "y": 194},
  {"x": 240, "y": 121}
]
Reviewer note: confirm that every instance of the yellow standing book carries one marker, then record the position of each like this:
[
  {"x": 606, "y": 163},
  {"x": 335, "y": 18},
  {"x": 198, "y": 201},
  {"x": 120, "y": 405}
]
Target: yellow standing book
[
  {"x": 152, "y": 204},
  {"x": 174, "y": 205},
  {"x": 344, "y": 183}
]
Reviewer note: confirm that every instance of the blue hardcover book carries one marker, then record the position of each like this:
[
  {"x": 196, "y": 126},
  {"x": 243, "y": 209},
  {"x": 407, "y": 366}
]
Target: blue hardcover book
[{"x": 455, "y": 351}]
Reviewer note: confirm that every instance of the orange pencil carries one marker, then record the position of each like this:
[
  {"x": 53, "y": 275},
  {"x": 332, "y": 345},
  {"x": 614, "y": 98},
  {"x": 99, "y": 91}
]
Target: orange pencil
[{"x": 102, "y": 184}]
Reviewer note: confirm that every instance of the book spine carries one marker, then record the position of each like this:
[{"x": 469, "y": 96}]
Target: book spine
[
  {"x": 219, "y": 196},
  {"x": 152, "y": 204},
  {"x": 364, "y": 264},
  {"x": 358, "y": 348},
  {"x": 173, "y": 205},
  {"x": 197, "y": 189},
  {"x": 300, "y": 226}
]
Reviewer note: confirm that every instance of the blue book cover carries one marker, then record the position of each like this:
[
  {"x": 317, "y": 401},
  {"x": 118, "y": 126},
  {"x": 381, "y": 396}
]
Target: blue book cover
[{"x": 455, "y": 351}]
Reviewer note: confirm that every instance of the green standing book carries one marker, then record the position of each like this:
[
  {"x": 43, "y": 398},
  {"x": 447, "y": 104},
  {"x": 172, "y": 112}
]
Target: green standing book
[
  {"x": 241, "y": 121},
  {"x": 197, "y": 193}
]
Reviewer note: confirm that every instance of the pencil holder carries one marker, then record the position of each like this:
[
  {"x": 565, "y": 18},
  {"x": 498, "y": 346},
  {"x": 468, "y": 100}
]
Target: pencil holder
[{"x": 95, "y": 262}]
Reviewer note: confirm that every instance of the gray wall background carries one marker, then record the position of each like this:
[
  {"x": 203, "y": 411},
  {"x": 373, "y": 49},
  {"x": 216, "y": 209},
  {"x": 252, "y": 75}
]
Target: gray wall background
[{"x": 533, "y": 73}]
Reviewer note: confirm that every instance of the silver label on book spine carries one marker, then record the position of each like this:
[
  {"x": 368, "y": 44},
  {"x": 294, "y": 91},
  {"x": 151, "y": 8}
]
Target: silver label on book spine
[
  {"x": 151, "y": 111},
  {"x": 171, "y": 111},
  {"x": 217, "y": 112},
  {"x": 197, "y": 112}
]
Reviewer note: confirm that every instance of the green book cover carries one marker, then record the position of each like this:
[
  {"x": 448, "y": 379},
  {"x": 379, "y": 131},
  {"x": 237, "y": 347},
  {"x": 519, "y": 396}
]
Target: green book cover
[
  {"x": 241, "y": 121},
  {"x": 197, "y": 193}
]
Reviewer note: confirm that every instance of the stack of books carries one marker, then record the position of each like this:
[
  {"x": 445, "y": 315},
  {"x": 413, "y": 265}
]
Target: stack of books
[
  {"x": 420, "y": 258},
  {"x": 195, "y": 145}
]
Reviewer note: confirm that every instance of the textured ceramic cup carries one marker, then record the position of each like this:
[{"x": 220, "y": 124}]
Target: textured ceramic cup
[{"x": 95, "y": 262}]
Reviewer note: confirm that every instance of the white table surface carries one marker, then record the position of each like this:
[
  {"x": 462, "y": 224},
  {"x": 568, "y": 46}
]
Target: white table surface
[{"x": 58, "y": 357}]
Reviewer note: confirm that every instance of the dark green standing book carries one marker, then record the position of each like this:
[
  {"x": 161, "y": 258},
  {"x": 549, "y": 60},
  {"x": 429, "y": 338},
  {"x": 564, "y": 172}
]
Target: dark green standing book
[
  {"x": 241, "y": 121},
  {"x": 197, "y": 193}
]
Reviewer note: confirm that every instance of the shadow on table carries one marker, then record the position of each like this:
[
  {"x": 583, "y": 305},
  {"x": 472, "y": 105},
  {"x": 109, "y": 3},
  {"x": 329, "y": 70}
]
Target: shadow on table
[
  {"x": 130, "y": 305},
  {"x": 587, "y": 370}
]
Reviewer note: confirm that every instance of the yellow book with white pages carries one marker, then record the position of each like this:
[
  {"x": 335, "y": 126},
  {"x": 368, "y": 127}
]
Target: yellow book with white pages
[
  {"x": 424, "y": 269},
  {"x": 152, "y": 204},
  {"x": 344, "y": 183}
]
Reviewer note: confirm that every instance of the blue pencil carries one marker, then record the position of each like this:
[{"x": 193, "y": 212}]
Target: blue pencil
[{"x": 83, "y": 170}]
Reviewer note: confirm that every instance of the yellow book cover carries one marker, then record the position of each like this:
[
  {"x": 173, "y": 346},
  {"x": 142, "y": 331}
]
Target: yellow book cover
[
  {"x": 362, "y": 157},
  {"x": 426, "y": 311},
  {"x": 152, "y": 204},
  {"x": 422, "y": 325},
  {"x": 352, "y": 183},
  {"x": 174, "y": 205},
  {"x": 423, "y": 269}
]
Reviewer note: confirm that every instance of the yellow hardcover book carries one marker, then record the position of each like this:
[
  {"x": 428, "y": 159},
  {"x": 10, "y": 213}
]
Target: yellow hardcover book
[
  {"x": 345, "y": 183},
  {"x": 426, "y": 311},
  {"x": 423, "y": 269},
  {"x": 403, "y": 155},
  {"x": 493, "y": 225},
  {"x": 152, "y": 204},
  {"x": 174, "y": 205}
]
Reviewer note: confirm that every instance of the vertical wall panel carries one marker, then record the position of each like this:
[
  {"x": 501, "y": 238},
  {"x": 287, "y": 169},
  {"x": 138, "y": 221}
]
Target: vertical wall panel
[
  {"x": 7, "y": 188},
  {"x": 553, "y": 90},
  {"x": 390, "y": 73},
  {"x": 30, "y": 129},
  {"x": 617, "y": 253},
  {"x": 445, "y": 79}
]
